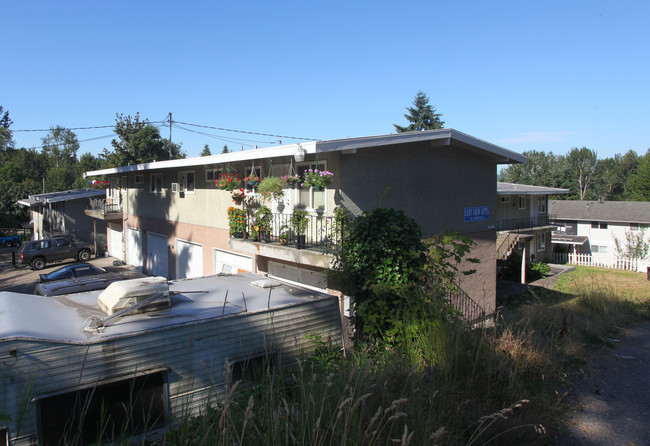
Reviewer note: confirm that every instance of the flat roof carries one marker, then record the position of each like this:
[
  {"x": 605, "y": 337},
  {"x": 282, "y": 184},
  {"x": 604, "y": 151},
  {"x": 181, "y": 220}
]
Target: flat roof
[
  {"x": 525, "y": 189},
  {"x": 60, "y": 319},
  {"x": 55, "y": 197},
  {"x": 440, "y": 137}
]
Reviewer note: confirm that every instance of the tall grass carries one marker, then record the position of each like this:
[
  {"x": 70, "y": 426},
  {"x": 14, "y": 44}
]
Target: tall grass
[{"x": 442, "y": 384}]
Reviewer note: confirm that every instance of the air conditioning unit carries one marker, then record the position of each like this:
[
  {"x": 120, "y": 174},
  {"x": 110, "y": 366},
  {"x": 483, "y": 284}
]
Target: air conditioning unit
[{"x": 175, "y": 187}]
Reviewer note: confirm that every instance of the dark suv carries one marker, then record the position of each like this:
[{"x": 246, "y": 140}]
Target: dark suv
[{"x": 37, "y": 253}]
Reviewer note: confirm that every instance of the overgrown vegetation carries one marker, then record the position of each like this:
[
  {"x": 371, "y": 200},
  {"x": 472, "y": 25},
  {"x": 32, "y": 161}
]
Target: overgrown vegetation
[{"x": 445, "y": 384}]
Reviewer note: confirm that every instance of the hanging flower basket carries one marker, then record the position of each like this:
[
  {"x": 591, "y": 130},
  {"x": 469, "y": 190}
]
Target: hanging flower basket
[
  {"x": 289, "y": 180},
  {"x": 228, "y": 182},
  {"x": 318, "y": 179},
  {"x": 238, "y": 196},
  {"x": 252, "y": 180}
]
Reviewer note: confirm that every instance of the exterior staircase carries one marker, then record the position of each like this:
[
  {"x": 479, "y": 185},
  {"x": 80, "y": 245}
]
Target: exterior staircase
[{"x": 506, "y": 242}]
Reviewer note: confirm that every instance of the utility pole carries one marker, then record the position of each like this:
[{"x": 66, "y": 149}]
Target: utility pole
[{"x": 170, "y": 135}]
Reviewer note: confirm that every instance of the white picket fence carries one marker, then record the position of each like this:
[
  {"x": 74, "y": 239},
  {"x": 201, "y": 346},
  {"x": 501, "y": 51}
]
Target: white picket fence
[{"x": 601, "y": 260}]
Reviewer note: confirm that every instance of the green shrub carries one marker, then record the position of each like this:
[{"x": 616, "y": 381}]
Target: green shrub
[{"x": 380, "y": 258}]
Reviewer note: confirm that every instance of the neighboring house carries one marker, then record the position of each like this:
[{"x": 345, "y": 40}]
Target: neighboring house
[
  {"x": 63, "y": 212},
  {"x": 171, "y": 220},
  {"x": 591, "y": 227},
  {"x": 523, "y": 221}
]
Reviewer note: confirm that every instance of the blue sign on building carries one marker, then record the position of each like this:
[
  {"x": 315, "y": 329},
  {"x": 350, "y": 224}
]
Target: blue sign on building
[{"x": 477, "y": 213}]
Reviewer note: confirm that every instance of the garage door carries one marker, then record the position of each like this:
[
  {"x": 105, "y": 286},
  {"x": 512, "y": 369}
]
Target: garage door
[
  {"x": 231, "y": 263},
  {"x": 157, "y": 255},
  {"x": 115, "y": 241},
  {"x": 189, "y": 260},
  {"x": 300, "y": 275},
  {"x": 134, "y": 248}
]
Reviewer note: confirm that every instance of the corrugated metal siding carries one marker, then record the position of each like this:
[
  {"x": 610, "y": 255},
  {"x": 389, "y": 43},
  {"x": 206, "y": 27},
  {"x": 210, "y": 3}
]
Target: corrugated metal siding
[{"x": 195, "y": 355}]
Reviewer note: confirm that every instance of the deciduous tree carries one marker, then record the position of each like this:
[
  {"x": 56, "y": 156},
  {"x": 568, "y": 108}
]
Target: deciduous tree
[{"x": 139, "y": 142}]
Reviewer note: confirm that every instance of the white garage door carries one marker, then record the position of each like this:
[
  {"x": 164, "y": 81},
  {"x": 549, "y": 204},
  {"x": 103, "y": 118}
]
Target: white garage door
[
  {"x": 189, "y": 260},
  {"x": 134, "y": 248},
  {"x": 157, "y": 255},
  {"x": 115, "y": 241},
  {"x": 231, "y": 263}
]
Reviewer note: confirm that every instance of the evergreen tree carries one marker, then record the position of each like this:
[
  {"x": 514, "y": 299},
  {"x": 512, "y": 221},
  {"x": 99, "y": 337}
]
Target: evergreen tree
[
  {"x": 225, "y": 149},
  {"x": 422, "y": 116},
  {"x": 206, "y": 151}
]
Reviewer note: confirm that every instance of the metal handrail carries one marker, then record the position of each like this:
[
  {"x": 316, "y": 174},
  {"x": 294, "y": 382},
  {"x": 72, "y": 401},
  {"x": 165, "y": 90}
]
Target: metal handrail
[{"x": 525, "y": 222}]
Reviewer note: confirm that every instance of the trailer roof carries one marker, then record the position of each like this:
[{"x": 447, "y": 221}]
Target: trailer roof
[{"x": 61, "y": 318}]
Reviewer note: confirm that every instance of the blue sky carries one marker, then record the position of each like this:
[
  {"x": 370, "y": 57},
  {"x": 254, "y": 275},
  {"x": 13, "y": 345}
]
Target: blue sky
[{"x": 543, "y": 75}]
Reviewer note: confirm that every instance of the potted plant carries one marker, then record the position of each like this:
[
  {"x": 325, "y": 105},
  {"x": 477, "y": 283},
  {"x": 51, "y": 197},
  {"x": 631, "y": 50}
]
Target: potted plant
[
  {"x": 252, "y": 180},
  {"x": 227, "y": 182},
  {"x": 238, "y": 196},
  {"x": 299, "y": 223},
  {"x": 237, "y": 221},
  {"x": 270, "y": 187},
  {"x": 318, "y": 179},
  {"x": 289, "y": 180},
  {"x": 261, "y": 220},
  {"x": 284, "y": 235}
]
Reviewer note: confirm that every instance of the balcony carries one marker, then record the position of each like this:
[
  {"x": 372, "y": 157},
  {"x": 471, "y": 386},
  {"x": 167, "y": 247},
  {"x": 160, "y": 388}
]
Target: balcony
[
  {"x": 99, "y": 209},
  {"x": 526, "y": 223},
  {"x": 322, "y": 240}
]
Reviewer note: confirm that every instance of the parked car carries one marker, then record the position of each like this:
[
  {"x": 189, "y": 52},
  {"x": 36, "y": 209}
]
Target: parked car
[
  {"x": 10, "y": 240},
  {"x": 80, "y": 277},
  {"x": 71, "y": 271},
  {"x": 38, "y": 253}
]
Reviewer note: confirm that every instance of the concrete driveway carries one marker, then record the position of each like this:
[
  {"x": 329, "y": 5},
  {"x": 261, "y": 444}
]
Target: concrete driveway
[{"x": 24, "y": 280}]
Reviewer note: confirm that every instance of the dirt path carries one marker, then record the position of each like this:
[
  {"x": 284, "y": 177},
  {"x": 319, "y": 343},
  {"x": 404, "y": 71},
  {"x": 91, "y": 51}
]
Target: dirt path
[{"x": 611, "y": 404}]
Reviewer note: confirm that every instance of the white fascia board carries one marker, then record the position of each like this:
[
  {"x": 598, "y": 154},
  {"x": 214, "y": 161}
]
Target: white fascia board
[
  {"x": 246, "y": 155},
  {"x": 525, "y": 189},
  {"x": 438, "y": 137}
]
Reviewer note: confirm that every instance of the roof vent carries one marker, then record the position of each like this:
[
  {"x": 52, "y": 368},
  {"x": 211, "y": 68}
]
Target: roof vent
[{"x": 129, "y": 293}]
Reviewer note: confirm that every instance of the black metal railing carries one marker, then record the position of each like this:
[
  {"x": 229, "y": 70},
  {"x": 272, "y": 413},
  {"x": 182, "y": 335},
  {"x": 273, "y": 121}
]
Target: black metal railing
[
  {"x": 510, "y": 224},
  {"x": 322, "y": 231}
]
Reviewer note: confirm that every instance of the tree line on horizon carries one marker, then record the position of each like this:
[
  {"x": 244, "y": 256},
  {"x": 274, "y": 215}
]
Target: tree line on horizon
[{"x": 58, "y": 166}]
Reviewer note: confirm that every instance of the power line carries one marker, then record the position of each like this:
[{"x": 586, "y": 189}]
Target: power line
[
  {"x": 224, "y": 138},
  {"x": 243, "y": 131}
]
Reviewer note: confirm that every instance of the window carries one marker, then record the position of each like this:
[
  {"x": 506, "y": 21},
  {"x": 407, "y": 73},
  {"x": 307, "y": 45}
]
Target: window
[
  {"x": 61, "y": 242},
  {"x": 186, "y": 181},
  {"x": 599, "y": 249},
  {"x": 522, "y": 202},
  {"x": 504, "y": 200},
  {"x": 541, "y": 205},
  {"x": 635, "y": 227},
  {"x": 211, "y": 175},
  {"x": 139, "y": 179},
  {"x": 156, "y": 183},
  {"x": 105, "y": 412},
  {"x": 598, "y": 225},
  {"x": 541, "y": 242}
]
